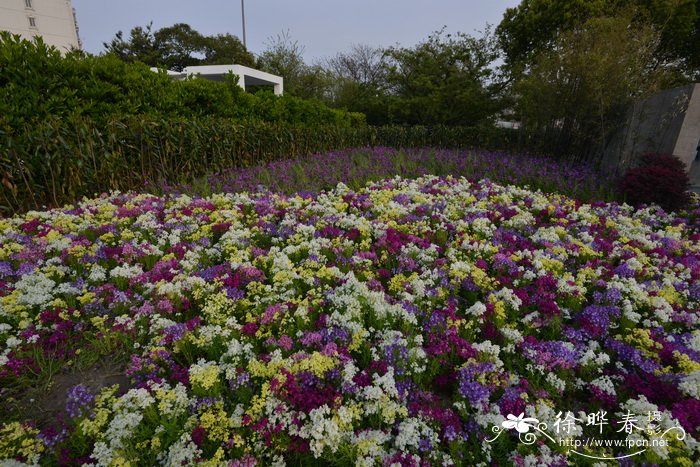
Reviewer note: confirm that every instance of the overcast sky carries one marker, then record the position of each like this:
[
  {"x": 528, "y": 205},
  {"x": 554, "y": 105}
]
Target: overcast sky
[{"x": 323, "y": 27}]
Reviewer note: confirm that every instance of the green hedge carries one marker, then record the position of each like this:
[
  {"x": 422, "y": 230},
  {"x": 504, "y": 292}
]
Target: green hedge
[
  {"x": 60, "y": 160},
  {"x": 37, "y": 82}
]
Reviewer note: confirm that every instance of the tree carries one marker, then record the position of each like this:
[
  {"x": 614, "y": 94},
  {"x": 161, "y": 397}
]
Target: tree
[
  {"x": 534, "y": 25},
  {"x": 445, "y": 80},
  {"x": 224, "y": 49},
  {"x": 178, "y": 46},
  {"x": 140, "y": 47},
  {"x": 363, "y": 64},
  {"x": 359, "y": 82},
  {"x": 285, "y": 57},
  {"x": 577, "y": 91}
]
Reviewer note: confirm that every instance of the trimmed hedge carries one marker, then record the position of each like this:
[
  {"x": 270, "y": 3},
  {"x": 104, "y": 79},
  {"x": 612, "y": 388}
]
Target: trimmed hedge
[
  {"x": 37, "y": 82},
  {"x": 60, "y": 160}
]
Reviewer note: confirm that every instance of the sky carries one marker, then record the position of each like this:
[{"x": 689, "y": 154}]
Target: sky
[{"x": 322, "y": 27}]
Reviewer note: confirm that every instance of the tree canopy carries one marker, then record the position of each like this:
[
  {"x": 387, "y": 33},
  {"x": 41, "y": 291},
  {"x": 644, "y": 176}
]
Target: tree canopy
[
  {"x": 534, "y": 25},
  {"x": 577, "y": 91},
  {"x": 178, "y": 46},
  {"x": 285, "y": 57},
  {"x": 443, "y": 80}
]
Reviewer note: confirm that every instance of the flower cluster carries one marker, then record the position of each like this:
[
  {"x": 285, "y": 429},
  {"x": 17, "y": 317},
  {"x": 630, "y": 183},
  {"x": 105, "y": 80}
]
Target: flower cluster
[{"x": 393, "y": 325}]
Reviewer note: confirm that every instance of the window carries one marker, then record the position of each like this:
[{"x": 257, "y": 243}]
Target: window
[
  {"x": 28, "y": 3},
  {"x": 32, "y": 22}
]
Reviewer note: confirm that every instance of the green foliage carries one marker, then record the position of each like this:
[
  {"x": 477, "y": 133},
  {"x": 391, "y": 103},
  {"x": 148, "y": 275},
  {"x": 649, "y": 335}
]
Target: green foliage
[
  {"x": 534, "y": 25},
  {"x": 284, "y": 57},
  {"x": 36, "y": 83},
  {"x": 59, "y": 160},
  {"x": 139, "y": 47},
  {"x": 178, "y": 46},
  {"x": 444, "y": 80},
  {"x": 70, "y": 126},
  {"x": 577, "y": 92},
  {"x": 224, "y": 49},
  {"x": 359, "y": 82},
  {"x": 364, "y": 98}
]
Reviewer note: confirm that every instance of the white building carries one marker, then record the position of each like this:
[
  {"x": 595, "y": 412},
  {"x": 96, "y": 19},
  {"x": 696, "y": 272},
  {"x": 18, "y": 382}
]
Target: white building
[
  {"x": 53, "y": 20},
  {"x": 246, "y": 76}
]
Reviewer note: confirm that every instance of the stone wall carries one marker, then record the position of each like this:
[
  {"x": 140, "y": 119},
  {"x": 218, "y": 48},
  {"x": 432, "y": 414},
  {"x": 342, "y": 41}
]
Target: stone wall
[{"x": 667, "y": 122}]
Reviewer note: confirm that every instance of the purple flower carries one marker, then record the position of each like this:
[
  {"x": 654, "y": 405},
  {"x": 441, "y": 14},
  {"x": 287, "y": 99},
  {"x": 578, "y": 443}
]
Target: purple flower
[
  {"x": 629, "y": 354},
  {"x": 79, "y": 398},
  {"x": 595, "y": 319},
  {"x": 475, "y": 392}
]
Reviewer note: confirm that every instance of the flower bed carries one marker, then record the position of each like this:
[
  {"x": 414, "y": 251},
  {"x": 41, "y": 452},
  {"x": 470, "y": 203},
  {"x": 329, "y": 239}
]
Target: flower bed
[
  {"x": 408, "y": 323},
  {"x": 357, "y": 166}
]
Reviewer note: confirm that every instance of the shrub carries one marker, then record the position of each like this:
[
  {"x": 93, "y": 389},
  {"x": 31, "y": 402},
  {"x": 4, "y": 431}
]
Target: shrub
[
  {"x": 37, "y": 83},
  {"x": 659, "y": 179}
]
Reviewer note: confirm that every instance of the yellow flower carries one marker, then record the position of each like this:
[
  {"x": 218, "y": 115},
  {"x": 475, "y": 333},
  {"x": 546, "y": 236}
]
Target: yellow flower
[
  {"x": 482, "y": 279},
  {"x": 641, "y": 339},
  {"x": 127, "y": 234},
  {"x": 59, "y": 303},
  {"x": 357, "y": 340},
  {"x": 204, "y": 375},
  {"x": 86, "y": 298},
  {"x": 9, "y": 302},
  {"x": 264, "y": 370},
  {"x": 217, "y": 308},
  {"x": 552, "y": 265},
  {"x": 18, "y": 440},
  {"x": 119, "y": 461},
  {"x": 685, "y": 363},
  {"x": 215, "y": 461},
  {"x": 107, "y": 237},
  {"x": 257, "y": 404},
  {"x": 317, "y": 364},
  {"x": 53, "y": 235},
  {"x": 216, "y": 421},
  {"x": 670, "y": 294}
]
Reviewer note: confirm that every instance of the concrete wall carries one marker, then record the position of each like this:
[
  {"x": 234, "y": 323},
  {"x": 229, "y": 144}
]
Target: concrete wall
[
  {"x": 667, "y": 122},
  {"x": 54, "y": 21},
  {"x": 688, "y": 142}
]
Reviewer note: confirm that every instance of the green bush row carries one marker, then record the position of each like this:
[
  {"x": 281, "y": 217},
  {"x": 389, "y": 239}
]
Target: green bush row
[
  {"x": 59, "y": 160},
  {"x": 37, "y": 82}
]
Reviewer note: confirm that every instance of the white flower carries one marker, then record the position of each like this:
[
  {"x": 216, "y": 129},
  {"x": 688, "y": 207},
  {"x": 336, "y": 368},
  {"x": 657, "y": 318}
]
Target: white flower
[
  {"x": 411, "y": 432},
  {"x": 126, "y": 271},
  {"x": 36, "y": 288},
  {"x": 690, "y": 384},
  {"x": 322, "y": 431},
  {"x": 476, "y": 309},
  {"x": 182, "y": 452},
  {"x": 605, "y": 384},
  {"x": 694, "y": 341},
  {"x": 558, "y": 383},
  {"x": 12, "y": 342}
]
